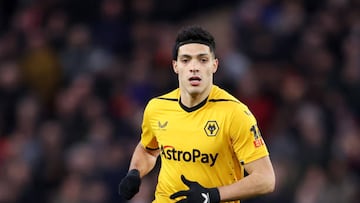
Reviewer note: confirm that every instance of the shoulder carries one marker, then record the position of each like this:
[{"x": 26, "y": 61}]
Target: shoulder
[
  {"x": 221, "y": 96},
  {"x": 164, "y": 100},
  {"x": 225, "y": 102}
]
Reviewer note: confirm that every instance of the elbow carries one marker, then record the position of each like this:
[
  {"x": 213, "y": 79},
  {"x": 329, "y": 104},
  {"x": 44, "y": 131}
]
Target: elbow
[
  {"x": 265, "y": 184},
  {"x": 269, "y": 185}
]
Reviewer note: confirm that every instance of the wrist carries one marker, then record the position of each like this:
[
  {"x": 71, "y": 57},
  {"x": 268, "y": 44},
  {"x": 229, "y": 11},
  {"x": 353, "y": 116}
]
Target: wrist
[
  {"x": 130, "y": 184},
  {"x": 134, "y": 172},
  {"x": 214, "y": 195}
]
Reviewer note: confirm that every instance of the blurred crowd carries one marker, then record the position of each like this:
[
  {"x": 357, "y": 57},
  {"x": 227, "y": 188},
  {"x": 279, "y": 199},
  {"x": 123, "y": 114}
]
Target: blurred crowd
[{"x": 75, "y": 77}]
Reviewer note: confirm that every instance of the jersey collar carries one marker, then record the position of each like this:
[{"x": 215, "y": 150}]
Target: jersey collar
[{"x": 194, "y": 108}]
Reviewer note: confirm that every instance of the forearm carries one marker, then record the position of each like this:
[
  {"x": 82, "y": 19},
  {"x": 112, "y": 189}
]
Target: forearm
[
  {"x": 250, "y": 186},
  {"x": 143, "y": 160},
  {"x": 258, "y": 182}
]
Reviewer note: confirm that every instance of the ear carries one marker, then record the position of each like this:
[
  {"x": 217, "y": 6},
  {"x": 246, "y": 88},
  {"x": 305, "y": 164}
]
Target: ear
[
  {"x": 215, "y": 65},
  {"x": 174, "y": 65}
]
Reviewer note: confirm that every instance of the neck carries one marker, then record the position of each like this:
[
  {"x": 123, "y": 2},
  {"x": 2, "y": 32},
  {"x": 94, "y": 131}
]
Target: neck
[{"x": 191, "y": 100}]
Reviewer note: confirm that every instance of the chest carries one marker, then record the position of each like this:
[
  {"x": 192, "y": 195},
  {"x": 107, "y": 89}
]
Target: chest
[{"x": 203, "y": 130}]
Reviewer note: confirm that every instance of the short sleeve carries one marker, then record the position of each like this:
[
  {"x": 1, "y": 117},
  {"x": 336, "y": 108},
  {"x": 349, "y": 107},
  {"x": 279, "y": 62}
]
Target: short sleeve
[
  {"x": 148, "y": 139},
  {"x": 246, "y": 138}
]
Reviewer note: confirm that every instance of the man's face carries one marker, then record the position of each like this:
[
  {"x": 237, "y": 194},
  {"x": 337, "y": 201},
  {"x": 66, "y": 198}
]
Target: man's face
[{"x": 195, "y": 67}]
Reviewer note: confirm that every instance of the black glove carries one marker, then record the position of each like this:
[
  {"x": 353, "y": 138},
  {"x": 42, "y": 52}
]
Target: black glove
[
  {"x": 197, "y": 193},
  {"x": 130, "y": 184}
]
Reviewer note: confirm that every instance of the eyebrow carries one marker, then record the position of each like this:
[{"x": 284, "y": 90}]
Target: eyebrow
[{"x": 198, "y": 55}]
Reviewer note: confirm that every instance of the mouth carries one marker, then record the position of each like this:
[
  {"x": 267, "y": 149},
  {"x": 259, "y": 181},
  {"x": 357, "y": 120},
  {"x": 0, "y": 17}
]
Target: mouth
[{"x": 195, "y": 80}]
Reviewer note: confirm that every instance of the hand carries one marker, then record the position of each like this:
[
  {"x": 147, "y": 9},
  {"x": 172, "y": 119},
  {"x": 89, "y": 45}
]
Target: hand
[
  {"x": 197, "y": 193},
  {"x": 130, "y": 184}
]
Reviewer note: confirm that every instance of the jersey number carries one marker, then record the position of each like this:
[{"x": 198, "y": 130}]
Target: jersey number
[{"x": 258, "y": 141}]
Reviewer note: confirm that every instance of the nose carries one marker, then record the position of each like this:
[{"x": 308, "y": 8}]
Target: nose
[{"x": 194, "y": 67}]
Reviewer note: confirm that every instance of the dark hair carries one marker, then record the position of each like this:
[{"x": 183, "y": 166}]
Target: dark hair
[{"x": 193, "y": 34}]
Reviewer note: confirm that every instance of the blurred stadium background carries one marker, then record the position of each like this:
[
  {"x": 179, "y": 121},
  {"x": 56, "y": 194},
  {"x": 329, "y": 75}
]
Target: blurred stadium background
[{"x": 75, "y": 77}]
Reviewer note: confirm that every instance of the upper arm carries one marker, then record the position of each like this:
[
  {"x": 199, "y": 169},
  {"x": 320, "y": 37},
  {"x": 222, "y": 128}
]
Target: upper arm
[
  {"x": 262, "y": 165},
  {"x": 150, "y": 151},
  {"x": 148, "y": 138},
  {"x": 246, "y": 138},
  {"x": 252, "y": 152},
  {"x": 262, "y": 168},
  {"x": 143, "y": 159}
]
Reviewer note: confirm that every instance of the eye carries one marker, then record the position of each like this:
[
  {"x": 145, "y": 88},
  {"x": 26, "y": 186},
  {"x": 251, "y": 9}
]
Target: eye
[
  {"x": 184, "y": 60},
  {"x": 204, "y": 60}
]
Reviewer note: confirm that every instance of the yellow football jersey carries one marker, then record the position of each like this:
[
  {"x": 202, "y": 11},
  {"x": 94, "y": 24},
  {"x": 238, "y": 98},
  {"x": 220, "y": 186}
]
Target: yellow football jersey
[{"x": 207, "y": 143}]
